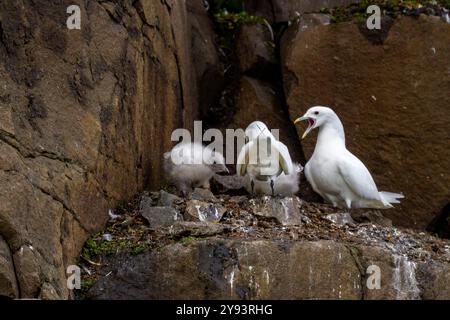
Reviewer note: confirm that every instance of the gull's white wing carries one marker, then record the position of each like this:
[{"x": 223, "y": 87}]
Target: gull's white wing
[
  {"x": 357, "y": 177},
  {"x": 285, "y": 158},
  {"x": 243, "y": 159}
]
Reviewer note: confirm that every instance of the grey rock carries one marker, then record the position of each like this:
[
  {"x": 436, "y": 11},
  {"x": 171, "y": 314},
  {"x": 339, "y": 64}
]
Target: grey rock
[
  {"x": 161, "y": 216},
  {"x": 203, "y": 211},
  {"x": 227, "y": 183},
  {"x": 203, "y": 195},
  {"x": 167, "y": 199},
  {"x": 146, "y": 202},
  {"x": 341, "y": 219},
  {"x": 284, "y": 210}
]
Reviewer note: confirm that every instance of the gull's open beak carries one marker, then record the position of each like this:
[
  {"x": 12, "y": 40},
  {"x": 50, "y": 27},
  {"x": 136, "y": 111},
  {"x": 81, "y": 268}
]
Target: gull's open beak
[
  {"x": 300, "y": 119},
  {"x": 311, "y": 123}
]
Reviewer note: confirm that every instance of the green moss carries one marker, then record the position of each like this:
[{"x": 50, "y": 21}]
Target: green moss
[
  {"x": 229, "y": 15},
  {"x": 93, "y": 248},
  {"x": 187, "y": 240},
  {"x": 138, "y": 249},
  {"x": 86, "y": 284},
  {"x": 232, "y": 20}
]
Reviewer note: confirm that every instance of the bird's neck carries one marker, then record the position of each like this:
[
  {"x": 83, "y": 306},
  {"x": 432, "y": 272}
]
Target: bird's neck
[{"x": 331, "y": 132}]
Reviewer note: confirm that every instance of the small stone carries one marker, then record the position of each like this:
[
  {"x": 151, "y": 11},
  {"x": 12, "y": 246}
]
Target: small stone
[
  {"x": 202, "y": 211},
  {"x": 306, "y": 220},
  {"x": 146, "y": 201},
  {"x": 167, "y": 199},
  {"x": 340, "y": 219},
  {"x": 127, "y": 222},
  {"x": 227, "y": 183},
  {"x": 48, "y": 292},
  {"x": 203, "y": 195},
  {"x": 107, "y": 237},
  {"x": 161, "y": 216}
]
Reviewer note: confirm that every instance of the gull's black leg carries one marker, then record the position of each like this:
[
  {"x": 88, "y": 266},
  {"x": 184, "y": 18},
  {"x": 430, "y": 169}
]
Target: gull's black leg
[
  {"x": 272, "y": 187},
  {"x": 252, "y": 184}
]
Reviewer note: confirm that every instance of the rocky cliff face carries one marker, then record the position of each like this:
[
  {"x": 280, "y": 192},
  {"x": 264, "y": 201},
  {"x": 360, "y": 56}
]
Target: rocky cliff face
[{"x": 85, "y": 115}]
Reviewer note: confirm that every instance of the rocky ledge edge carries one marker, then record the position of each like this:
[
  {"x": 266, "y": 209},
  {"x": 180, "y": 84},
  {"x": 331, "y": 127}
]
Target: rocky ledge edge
[{"x": 209, "y": 246}]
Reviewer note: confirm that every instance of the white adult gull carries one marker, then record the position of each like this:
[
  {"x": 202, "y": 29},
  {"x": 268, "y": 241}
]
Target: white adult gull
[
  {"x": 263, "y": 158},
  {"x": 334, "y": 172}
]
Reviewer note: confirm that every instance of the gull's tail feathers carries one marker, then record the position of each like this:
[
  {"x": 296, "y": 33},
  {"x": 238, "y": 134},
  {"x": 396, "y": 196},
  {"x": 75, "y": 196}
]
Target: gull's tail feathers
[{"x": 391, "y": 197}]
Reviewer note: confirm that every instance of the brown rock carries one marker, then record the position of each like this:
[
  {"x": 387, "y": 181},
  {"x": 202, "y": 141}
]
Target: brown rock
[
  {"x": 396, "y": 120},
  {"x": 205, "y": 57},
  {"x": 399, "y": 278},
  {"x": 85, "y": 116},
  {"x": 435, "y": 280},
  {"x": 48, "y": 292},
  {"x": 271, "y": 269},
  {"x": 8, "y": 282},
  {"x": 260, "y": 8},
  {"x": 255, "y": 50},
  {"x": 28, "y": 271},
  {"x": 197, "y": 229},
  {"x": 224, "y": 269}
]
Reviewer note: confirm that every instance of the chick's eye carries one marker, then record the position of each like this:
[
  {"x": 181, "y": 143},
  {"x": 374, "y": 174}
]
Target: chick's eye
[{"x": 316, "y": 113}]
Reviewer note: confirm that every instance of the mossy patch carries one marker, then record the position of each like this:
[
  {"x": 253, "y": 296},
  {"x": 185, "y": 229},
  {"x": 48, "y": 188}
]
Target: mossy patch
[
  {"x": 94, "y": 248},
  {"x": 228, "y": 17},
  {"x": 187, "y": 240},
  {"x": 138, "y": 249}
]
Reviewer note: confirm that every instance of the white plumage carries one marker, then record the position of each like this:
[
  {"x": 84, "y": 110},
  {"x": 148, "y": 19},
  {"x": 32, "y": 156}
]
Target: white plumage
[
  {"x": 334, "y": 172},
  {"x": 284, "y": 185},
  {"x": 263, "y": 159},
  {"x": 190, "y": 165}
]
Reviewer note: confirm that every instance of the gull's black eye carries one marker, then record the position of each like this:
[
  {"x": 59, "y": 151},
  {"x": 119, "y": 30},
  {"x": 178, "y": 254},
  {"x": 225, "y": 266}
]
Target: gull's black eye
[{"x": 316, "y": 113}]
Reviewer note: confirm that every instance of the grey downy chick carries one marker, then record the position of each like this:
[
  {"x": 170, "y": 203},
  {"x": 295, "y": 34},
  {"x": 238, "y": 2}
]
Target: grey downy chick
[{"x": 191, "y": 165}]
